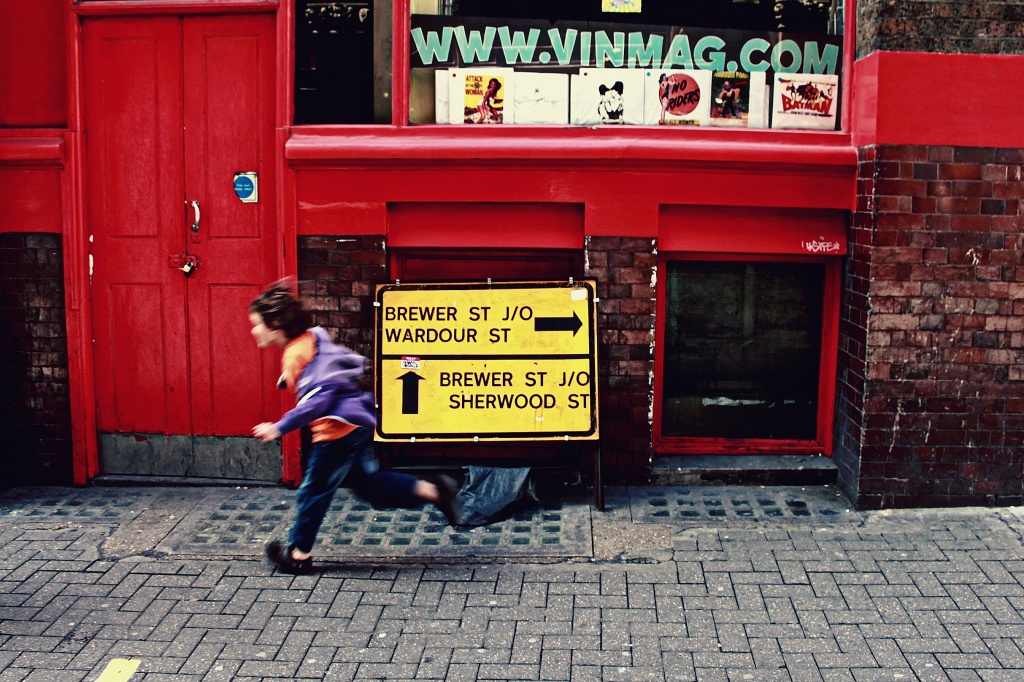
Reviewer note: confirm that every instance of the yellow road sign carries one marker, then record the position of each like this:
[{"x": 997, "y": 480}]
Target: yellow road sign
[
  {"x": 490, "y": 321},
  {"x": 510, "y": 361}
]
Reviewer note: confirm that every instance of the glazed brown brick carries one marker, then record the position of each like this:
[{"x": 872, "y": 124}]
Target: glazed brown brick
[
  {"x": 624, "y": 269},
  {"x": 929, "y": 395},
  {"x": 34, "y": 391},
  {"x": 971, "y": 26},
  {"x": 337, "y": 279}
]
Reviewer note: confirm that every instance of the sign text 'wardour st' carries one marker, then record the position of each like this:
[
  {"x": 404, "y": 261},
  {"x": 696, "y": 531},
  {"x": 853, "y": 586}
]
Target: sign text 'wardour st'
[{"x": 510, "y": 361}]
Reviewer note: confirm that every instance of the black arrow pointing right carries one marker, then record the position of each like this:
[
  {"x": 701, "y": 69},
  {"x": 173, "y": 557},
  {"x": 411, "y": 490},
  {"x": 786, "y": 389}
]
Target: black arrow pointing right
[{"x": 558, "y": 324}]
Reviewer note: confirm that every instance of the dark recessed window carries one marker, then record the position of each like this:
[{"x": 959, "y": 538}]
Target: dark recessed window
[{"x": 742, "y": 350}]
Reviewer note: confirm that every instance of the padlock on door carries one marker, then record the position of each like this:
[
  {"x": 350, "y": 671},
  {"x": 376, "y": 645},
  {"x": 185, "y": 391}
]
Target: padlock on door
[
  {"x": 183, "y": 262},
  {"x": 191, "y": 263}
]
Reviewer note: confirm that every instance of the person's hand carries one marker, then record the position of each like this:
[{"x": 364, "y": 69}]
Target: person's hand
[{"x": 266, "y": 432}]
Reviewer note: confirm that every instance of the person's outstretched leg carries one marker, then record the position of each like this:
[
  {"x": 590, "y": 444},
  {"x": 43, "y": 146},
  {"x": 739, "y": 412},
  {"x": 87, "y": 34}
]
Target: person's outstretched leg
[
  {"x": 395, "y": 489},
  {"x": 328, "y": 464}
]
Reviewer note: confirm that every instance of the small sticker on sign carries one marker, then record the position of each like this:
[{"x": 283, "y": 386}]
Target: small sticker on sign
[{"x": 410, "y": 363}]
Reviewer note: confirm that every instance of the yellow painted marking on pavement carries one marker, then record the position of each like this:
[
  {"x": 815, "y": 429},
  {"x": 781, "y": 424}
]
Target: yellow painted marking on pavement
[{"x": 119, "y": 670}]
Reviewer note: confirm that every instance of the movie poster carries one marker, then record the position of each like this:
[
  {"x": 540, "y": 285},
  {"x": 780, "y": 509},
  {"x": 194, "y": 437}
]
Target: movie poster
[
  {"x": 481, "y": 96},
  {"x": 442, "y": 81},
  {"x": 740, "y": 99},
  {"x": 608, "y": 97},
  {"x": 542, "y": 98},
  {"x": 731, "y": 106},
  {"x": 805, "y": 101},
  {"x": 677, "y": 97}
]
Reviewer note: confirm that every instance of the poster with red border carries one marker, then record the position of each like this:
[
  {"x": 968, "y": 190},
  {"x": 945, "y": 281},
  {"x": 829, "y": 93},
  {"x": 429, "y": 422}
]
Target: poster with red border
[
  {"x": 677, "y": 97},
  {"x": 808, "y": 101}
]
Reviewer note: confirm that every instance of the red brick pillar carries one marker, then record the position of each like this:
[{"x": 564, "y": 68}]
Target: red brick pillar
[{"x": 931, "y": 392}]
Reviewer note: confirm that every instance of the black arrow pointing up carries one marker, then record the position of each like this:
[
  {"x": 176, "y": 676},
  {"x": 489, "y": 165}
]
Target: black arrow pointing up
[
  {"x": 411, "y": 392},
  {"x": 557, "y": 324}
]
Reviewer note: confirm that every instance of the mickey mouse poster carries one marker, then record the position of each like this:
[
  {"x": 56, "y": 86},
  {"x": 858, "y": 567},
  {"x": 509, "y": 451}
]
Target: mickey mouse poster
[{"x": 608, "y": 97}]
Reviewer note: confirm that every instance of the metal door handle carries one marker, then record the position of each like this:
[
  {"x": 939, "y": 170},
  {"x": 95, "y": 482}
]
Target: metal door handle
[{"x": 195, "y": 207}]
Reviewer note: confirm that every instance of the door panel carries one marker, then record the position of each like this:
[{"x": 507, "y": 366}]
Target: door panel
[
  {"x": 134, "y": 194},
  {"x": 229, "y": 66},
  {"x": 174, "y": 108}
]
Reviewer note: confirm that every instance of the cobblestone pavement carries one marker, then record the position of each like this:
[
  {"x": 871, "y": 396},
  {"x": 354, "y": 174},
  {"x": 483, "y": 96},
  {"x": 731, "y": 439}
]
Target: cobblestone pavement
[{"x": 668, "y": 583}]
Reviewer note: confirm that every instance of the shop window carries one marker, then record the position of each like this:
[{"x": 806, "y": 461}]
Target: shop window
[
  {"x": 728, "y": 63},
  {"x": 342, "y": 61},
  {"x": 742, "y": 351}
]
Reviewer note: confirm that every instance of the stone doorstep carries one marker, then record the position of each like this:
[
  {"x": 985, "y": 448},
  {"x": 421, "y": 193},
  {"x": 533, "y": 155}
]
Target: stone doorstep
[{"x": 743, "y": 470}]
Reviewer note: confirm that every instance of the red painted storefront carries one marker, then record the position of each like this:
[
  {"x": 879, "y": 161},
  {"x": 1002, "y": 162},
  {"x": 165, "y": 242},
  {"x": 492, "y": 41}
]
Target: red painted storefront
[{"x": 622, "y": 205}]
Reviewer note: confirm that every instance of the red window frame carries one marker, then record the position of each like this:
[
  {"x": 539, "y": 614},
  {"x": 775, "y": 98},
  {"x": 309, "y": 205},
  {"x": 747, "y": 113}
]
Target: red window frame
[
  {"x": 400, "y": 60},
  {"x": 822, "y": 442}
]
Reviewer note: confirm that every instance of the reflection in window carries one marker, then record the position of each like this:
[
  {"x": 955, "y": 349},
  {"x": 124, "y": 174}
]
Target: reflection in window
[
  {"x": 742, "y": 350},
  {"x": 343, "y": 62},
  {"x": 726, "y": 63}
]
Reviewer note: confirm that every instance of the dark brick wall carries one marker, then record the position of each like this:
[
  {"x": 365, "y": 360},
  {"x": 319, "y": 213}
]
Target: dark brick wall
[
  {"x": 624, "y": 270},
  {"x": 853, "y": 334},
  {"x": 35, "y": 412},
  {"x": 931, "y": 379},
  {"x": 955, "y": 26},
  {"x": 337, "y": 277}
]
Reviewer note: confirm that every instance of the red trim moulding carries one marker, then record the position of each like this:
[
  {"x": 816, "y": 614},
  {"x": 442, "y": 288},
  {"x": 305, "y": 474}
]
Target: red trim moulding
[
  {"x": 32, "y": 149},
  {"x": 31, "y": 168},
  {"x": 918, "y": 98},
  {"x": 456, "y": 225},
  {"x": 793, "y": 231},
  {"x": 94, "y": 8},
  {"x": 326, "y": 144}
]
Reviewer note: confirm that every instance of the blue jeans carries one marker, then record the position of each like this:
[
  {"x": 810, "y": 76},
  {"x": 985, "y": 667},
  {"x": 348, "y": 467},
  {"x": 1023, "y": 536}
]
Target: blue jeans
[{"x": 348, "y": 461}]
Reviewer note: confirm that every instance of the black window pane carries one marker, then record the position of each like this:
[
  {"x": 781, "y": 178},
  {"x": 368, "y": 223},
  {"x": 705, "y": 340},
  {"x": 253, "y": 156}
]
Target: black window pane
[
  {"x": 742, "y": 350},
  {"x": 335, "y": 61}
]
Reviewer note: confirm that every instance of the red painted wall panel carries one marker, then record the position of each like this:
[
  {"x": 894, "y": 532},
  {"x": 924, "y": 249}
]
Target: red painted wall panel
[
  {"x": 938, "y": 99},
  {"x": 30, "y": 200},
  {"x": 33, "y": 79},
  {"x": 621, "y": 198},
  {"x": 728, "y": 229},
  {"x": 494, "y": 225}
]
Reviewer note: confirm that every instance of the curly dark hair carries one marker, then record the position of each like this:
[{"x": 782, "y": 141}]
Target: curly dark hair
[{"x": 282, "y": 310}]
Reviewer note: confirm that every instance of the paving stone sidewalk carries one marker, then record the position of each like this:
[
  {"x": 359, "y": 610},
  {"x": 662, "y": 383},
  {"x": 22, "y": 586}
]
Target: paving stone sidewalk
[{"x": 716, "y": 583}]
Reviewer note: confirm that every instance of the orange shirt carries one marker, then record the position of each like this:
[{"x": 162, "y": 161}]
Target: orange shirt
[{"x": 298, "y": 353}]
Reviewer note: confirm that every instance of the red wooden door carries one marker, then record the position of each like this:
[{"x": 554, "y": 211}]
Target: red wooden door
[{"x": 175, "y": 107}]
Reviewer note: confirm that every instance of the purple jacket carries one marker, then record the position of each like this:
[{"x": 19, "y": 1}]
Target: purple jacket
[{"x": 329, "y": 388}]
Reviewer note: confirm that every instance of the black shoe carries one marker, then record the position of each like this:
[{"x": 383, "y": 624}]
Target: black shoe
[
  {"x": 281, "y": 556},
  {"x": 448, "y": 492}
]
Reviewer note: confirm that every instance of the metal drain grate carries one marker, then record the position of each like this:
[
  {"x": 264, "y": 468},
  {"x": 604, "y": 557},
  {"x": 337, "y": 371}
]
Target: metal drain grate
[
  {"x": 81, "y": 505},
  {"x": 738, "y": 504},
  {"x": 243, "y": 523}
]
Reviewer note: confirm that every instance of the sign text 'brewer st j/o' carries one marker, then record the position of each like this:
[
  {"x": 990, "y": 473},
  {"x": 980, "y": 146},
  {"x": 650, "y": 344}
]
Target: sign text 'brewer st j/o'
[{"x": 509, "y": 361}]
